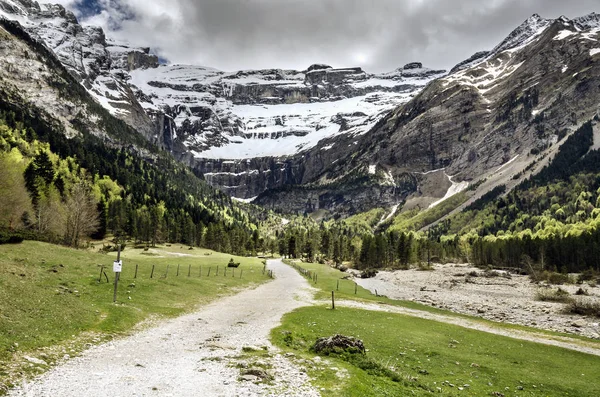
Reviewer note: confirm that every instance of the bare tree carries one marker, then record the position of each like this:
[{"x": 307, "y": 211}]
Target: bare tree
[{"x": 82, "y": 218}]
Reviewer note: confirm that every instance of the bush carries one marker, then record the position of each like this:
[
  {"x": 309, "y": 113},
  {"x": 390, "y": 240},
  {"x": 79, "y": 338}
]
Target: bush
[
  {"x": 368, "y": 273},
  {"x": 551, "y": 277},
  {"x": 11, "y": 238},
  {"x": 584, "y": 307},
  {"x": 582, "y": 292},
  {"x": 232, "y": 263},
  {"x": 587, "y": 275},
  {"x": 551, "y": 295}
]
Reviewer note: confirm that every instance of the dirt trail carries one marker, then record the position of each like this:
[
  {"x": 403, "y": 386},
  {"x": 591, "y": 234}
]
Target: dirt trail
[{"x": 192, "y": 355}]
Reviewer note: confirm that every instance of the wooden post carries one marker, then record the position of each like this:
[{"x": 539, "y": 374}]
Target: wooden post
[
  {"x": 189, "y": 270},
  {"x": 241, "y": 272},
  {"x": 338, "y": 285},
  {"x": 233, "y": 270},
  {"x": 136, "y": 270},
  {"x": 209, "y": 268},
  {"x": 376, "y": 294},
  {"x": 217, "y": 270},
  {"x": 355, "y": 288},
  {"x": 178, "y": 270},
  {"x": 225, "y": 274},
  {"x": 332, "y": 300},
  {"x": 152, "y": 273},
  {"x": 117, "y": 273},
  {"x": 101, "y": 271},
  {"x": 316, "y": 279},
  {"x": 264, "y": 269}
]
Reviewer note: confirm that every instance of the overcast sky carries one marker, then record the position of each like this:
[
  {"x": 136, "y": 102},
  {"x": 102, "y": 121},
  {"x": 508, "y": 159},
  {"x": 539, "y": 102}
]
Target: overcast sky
[{"x": 379, "y": 35}]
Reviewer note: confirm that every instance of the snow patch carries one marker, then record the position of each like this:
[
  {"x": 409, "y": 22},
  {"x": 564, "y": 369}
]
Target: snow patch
[
  {"x": 372, "y": 169},
  {"x": 247, "y": 201},
  {"x": 563, "y": 34},
  {"x": 594, "y": 51},
  {"x": 507, "y": 163},
  {"x": 456, "y": 188},
  {"x": 387, "y": 217}
]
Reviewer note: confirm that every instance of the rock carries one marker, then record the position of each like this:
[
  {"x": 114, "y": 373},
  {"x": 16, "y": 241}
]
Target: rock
[
  {"x": 258, "y": 373},
  {"x": 34, "y": 360},
  {"x": 248, "y": 378},
  {"x": 413, "y": 65},
  {"x": 339, "y": 343},
  {"x": 578, "y": 324}
]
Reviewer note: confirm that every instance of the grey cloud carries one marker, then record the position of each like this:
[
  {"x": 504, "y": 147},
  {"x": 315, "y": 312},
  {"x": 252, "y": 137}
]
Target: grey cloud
[{"x": 380, "y": 35}]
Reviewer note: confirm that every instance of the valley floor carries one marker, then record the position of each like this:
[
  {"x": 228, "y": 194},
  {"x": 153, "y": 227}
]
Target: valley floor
[{"x": 222, "y": 349}]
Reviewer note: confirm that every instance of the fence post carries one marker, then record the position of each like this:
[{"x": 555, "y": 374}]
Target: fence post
[
  {"x": 152, "y": 273},
  {"x": 241, "y": 272},
  {"x": 332, "y": 300},
  {"x": 217, "y": 270},
  {"x": 355, "y": 288},
  {"x": 225, "y": 274},
  {"x": 136, "y": 270},
  {"x": 178, "y": 270},
  {"x": 189, "y": 270},
  {"x": 338, "y": 286},
  {"x": 209, "y": 269}
]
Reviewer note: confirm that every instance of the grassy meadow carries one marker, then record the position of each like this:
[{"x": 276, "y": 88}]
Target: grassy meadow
[
  {"x": 411, "y": 356},
  {"x": 51, "y": 295}
]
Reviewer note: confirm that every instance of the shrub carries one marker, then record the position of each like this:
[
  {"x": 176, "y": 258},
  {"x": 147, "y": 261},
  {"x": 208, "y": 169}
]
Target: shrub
[
  {"x": 368, "y": 273},
  {"x": 551, "y": 295},
  {"x": 584, "y": 307},
  {"x": 581, "y": 292},
  {"x": 232, "y": 263}
]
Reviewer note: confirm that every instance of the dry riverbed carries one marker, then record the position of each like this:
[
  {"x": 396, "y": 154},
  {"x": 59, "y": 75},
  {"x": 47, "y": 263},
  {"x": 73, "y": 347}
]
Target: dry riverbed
[{"x": 509, "y": 299}]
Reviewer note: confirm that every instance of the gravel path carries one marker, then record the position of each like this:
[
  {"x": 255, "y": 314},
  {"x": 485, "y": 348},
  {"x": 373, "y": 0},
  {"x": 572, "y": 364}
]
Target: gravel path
[{"x": 193, "y": 355}]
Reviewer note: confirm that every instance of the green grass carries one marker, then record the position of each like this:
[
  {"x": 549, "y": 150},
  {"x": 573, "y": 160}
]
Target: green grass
[
  {"x": 50, "y": 295},
  {"x": 412, "y": 356}
]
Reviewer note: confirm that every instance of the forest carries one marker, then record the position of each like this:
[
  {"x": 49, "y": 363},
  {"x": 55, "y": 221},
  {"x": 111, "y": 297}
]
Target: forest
[{"x": 69, "y": 190}]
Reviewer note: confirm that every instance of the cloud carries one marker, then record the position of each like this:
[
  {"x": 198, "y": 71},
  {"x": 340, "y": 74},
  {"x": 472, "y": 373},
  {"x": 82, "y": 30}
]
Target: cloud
[{"x": 380, "y": 35}]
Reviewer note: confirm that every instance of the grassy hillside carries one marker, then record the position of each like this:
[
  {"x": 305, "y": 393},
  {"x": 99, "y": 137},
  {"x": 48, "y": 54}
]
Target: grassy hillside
[{"x": 51, "y": 297}]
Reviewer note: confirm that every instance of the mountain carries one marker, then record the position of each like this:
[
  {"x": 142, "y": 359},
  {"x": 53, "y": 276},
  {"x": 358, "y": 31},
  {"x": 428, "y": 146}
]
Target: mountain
[
  {"x": 335, "y": 142},
  {"x": 216, "y": 121},
  {"x": 494, "y": 118}
]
